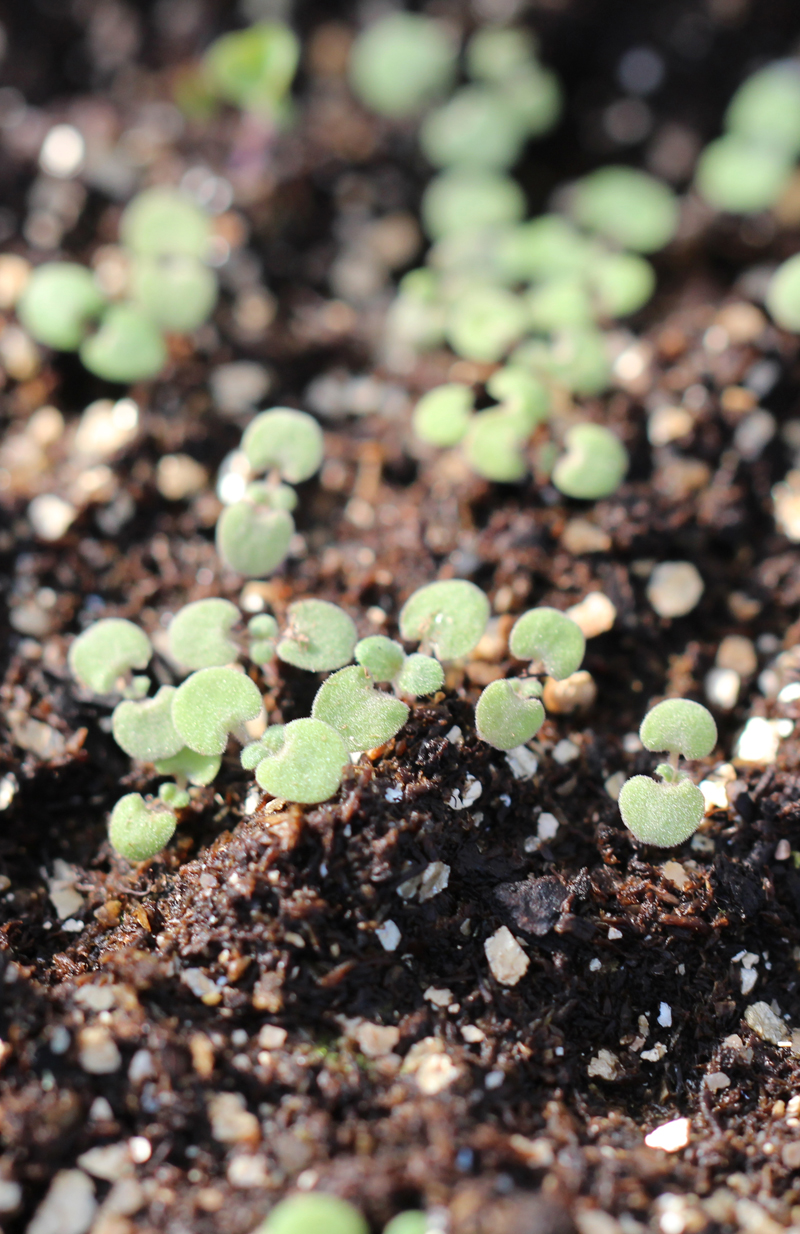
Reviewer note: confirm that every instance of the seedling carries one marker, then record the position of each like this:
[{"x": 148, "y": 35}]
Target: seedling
[
  {"x": 442, "y": 415},
  {"x": 145, "y": 730},
  {"x": 60, "y": 301},
  {"x": 413, "y": 1221},
  {"x": 560, "y": 304},
  {"x": 783, "y": 294},
  {"x": 210, "y": 705},
  {"x": 199, "y": 634},
  {"x": 102, "y": 657},
  {"x": 508, "y": 712},
  {"x": 364, "y": 716},
  {"x": 494, "y": 53},
  {"x": 476, "y": 127},
  {"x": 484, "y": 323},
  {"x": 300, "y": 1214},
  {"x": 252, "y": 537},
  {"x": 176, "y": 292},
  {"x": 139, "y": 829},
  {"x": 187, "y": 766},
  {"x": 627, "y": 206},
  {"x": 550, "y": 639},
  {"x": 736, "y": 174},
  {"x": 263, "y": 632},
  {"x": 766, "y": 107},
  {"x": 470, "y": 200},
  {"x": 163, "y": 222},
  {"x": 521, "y": 395},
  {"x": 420, "y": 676},
  {"x": 620, "y": 283},
  {"x": 127, "y": 346},
  {"x": 253, "y": 68},
  {"x": 287, "y": 441},
  {"x": 495, "y": 446},
  {"x": 667, "y": 811},
  {"x": 543, "y": 248},
  {"x": 402, "y": 63},
  {"x": 576, "y": 360},
  {"x": 594, "y": 465},
  {"x": 382, "y": 657},
  {"x": 319, "y": 637},
  {"x": 448, "y": 618},
  {"x": 307, "y": 764}
]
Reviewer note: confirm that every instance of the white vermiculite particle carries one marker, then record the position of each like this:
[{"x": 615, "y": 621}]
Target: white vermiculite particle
[
  {"x": 675, "y": 588},
  {"x": 671, "y": 1136},
  {"x": 507, "y": 961}
]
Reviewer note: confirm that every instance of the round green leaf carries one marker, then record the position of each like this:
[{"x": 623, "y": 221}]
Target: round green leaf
[
  {"x": 401, "y": 63},
  {"x": 163, "y": 221},
  {"x": 313, "y": 1213},
  {"x": 494, "y": 53},
  {"x": 189, "y": 765},
  {"x": 546, "y": 247},
  {"x": 576, "y": 359},
  {"x": 319, "y": 636},
  {"x": 382, "y": 657},
  {"x": 420, "y": 676},
  {"x": 442, "y": 415},
  {"x": 199, "y": 634},
  {"x": 505, "y": 717},
  {"x": 253, "y": 68},
  {"x": 364, "y": 716},
  {"x": 59, "y": 301},
  {"x": 461, "y": 200},
  {"x": 495, "y": 446},
  {"x": 176, "y": 292},
  {"x": 138, "y": 829},
  {"x": 560, "y": 304},
  {"x": 145, "y": 730},
  {"x": 627, "y": 206},
  {"x": 594, "y": 464},
  {"x": 106, "y": 651},
  {"x": 127, "y": 346},
  {"x": 476, "y": 127},
  {"x": 449, "y": 616},
  {"x": 411, "y": 1222},
  {"x": 173, "y": 797},
  {"x": 485, "y": 322},
  {"x": 621, "y": 283},
  {"x": 783, "y": 294},
  {"x": 741, "y": 175},
  {"x": 308, "y": 766},
  {"x": 544, "y": 634},
  {"x": 534, "y": 95},
  {"x": 521, "y": 394},
  {"x": 680, "y": 726},
  {"x": 253, "y": 538},
  {"x": 270, "y": 743},
  {"x": 661, "y": 814},
  {"x": 289, "y": 441},
  {"x": 210, "y": 705},
  {"x": 766, "y": 108}
]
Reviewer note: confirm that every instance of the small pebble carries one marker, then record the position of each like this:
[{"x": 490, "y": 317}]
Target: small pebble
[
  {"x": 760, "y": 739},
  {"x": 671, "y": 1137},
  {"x": 656, "y": 1054},
  {"x": 743, "y": 322},
  {"x": 388, "y": 935},
  {"x": 141, "y": 1067},
  {"x": 97, "y": 1050},
  {"x": 248, "y": 1170},
  {"x": 522, "y": 762},
  {"x": 565, "y": 751},
  {"x": 667, "y": 424},
  {"x": 109, "y": 1162},
  {"x": 580, "y": 536},
  {"x": 665, "y": 1015},
  {"x": 462, "y": 800},
  {"x": 722, "y": 686},
  {"x": 63, "y": 151},
  {"x": 614, "y": 933},
  {"x": 237, "y": 387},
  {"x": 439, "y": 997},
  {"x": 594, "y": 615},
  {"x": 595, "y": 965},
  {"x": 754, "y": 433},
  {"x": 377, "y": 1040},
  {"x": 472, "y": 1034},
  {"x": 574, "y": 693},
  {"x": 507, "y": 961},
  {"x": 714, "y": 795},
  {"x": 765, "y": 1023},
  {"x": 179, "y": 476},
  {"x": 738, "y": 653},
  {"x": 614, "y": 783},
  {"x": 786, "y": 499},
  {"x": 69, "y": 1206},
  {"x": 783, "y": 850},
  {"x": 675, "y": 872},
  {"x": 106, "y": 427},
  {"x": 435, "y": 879},
  {"x": 604, "y": 1066},
  {"x": 50, "y": 516},
  {"x": 748, "y": 980},
  {"x": 231, "y": 1121},
  {"x": 717, "y": 1080},
  {"x": 547, "y": 827},
  {"x": 14, "y": 274},
  {"x": 10, "y": 1195},
  {"x": 675, "y": 588}
]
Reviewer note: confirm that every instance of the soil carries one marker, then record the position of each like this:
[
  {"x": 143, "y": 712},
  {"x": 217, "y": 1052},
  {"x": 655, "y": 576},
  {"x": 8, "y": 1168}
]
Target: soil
[{"x": 252, "y": 959}]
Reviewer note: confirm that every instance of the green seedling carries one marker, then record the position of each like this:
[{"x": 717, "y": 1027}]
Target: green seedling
[
  {"x": 561, "y": 304},
  {"x": 319, "y": 637},
  {"x": 667, "y": 811},
  {"x": 420, "y": 676},
  {"x": 594, "y": 464},
  {"x": 783, "y": 294},
  {"x": 494, "y": 53},
  {"x": 253, "y": 68},
  {"x": 187, "y": 766},
  {"x": 448, "y": 618},
  {"x": 442, "y": 415},
  {"x": 127, "y": 346},
  {"x": 364, "y": 716},
  {"x": 534, "y": 95},
  {"x": 252, "y": 537},
  {"x": 199, "y": 634},
  {"x": 145, "y": 730},
  {"x": 263, "y": 632},
  {"x": 765, "y": 110},
  {"x": 521, "y": 396},
  {"x": 741, "y": 176},
  {"x": 212, "y": 704},
  {"x": 485, "y": 322},
  {"x": 308, "y": 764},
  {"x": 176, "y": 292},
  {"x": 620, "y": 283},
  {"x": 173, "y": 797},
  {"x": 269, "y": 743},
  {"x": 313, "y": 1211},
  {"x": 164, "y": 222},
  {"x": 628, "y": 207},
  {"x": 283, "y": 440},
  {"x": 508, "y": 712},
  {"x": 548, "y": 637},
  {"x": 60, "y": 301},
  {"x": 139, "y": 829},
  {"x": 413, "y": 1221},
  {"x": 402, "y": 63},
  {"x": 495, "y": 446},
  {"x": 382, "y": 657},
  {"x": 577, "y": 360},
  {"x": 547, "y": 247},
  {"x": 106, "y": 652},
  {"x": 476, "y": 127},
  {"x": 461, "y": 200}
]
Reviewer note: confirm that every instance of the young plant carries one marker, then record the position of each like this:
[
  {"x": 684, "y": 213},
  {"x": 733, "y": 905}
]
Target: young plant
[
  {"x": 628, "y": 207},
  {"x": 145, "y": 729},
  {"x": 783, "y": 294},
  {"x": 253, "y": 68},
  {"x": 462, "y": 200},
  {"x": 508, "y": 712},
  {"x": 302, "y": 761},
  {"x": 59, "y": 303},
  {"x": 665, "y": 812},
  {"x": 447, "y": 618},
  {"x": 252, "y": 537},
  {"x": 364, "y": 717},
  {"x": 594, "y": 464},
  {"x": 550, "y": 639},
  {"x": 419, "y": 677},
  {"x": 319, "y": 637},
  {"x": 126, "y": 347},
  {"x": 313, "y": 1211},
  {"x": 199, "y": 634},
  {"x": 102, "y": 658},
  {"x": 401, "y": 63},
  {"x": 382, "y": 657},
  {"x": 139, "y": 829},
  {"x": 442, "y": 416},
  {"x": 210, "y": 705}
]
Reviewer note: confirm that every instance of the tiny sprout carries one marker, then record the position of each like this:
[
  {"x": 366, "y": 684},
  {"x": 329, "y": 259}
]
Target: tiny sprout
[
  {"x": 164, "y": 222},
  {"x": 681, "y": 727},
  {"x": 270, "y": 743},
  {"x": 627, "y": 206},
  {"x": 575, "y": 359},
  {"x": 543, "y": 248},
  {"x": 106, "y": 651},
  {"x": 494, "y": 52},
  {"x": 127, "y": 347},
  {"x": 382, "y": 657},
  {"x": 60, "y": 299},
  {"x": 484, "y": 322},
  {"x": 319, "y": 637},
  {"x": 495, "y": 446},
  {"x": 401, "y": 63},
  {"x": 176, "y": 292},
  {"x": 442, "y": 415},
  {"x": 307, "y": 767},
  {"x": 364, "y": 716},
  {"x": 199, "y": 634},
  {"x": 742, "y": 176},
  {"x": 189, "y": 765},
  {"x": 448, "y": 617},
  {"x": 139, "y": 829},
  {"x": 253, "y": 68},
  {"x": 174, "y": 797},
  {"x": 621, "y": 283},
  {"x": 594, "y": 465},
  {"x": 783, "y": 294},
  {"x": 546, "y": 635},
  {"x": 462, "y": 200},
  {"x": 285, "y": 440},
  {"x": 534, "y": 94},
  {"x": 413, "y": 1221},
  {"x": 559, "y": 304},
  {"x": 766, "y": 108},
  {"x": 211, "y": 704},
  {"x": 253, "y": 538},
  {"x": 420, "y": 675},
  {"x": 476, "y": 127},
  {"x": 508, "y": 714},
  {"x": 521, "y": 395},
  {"x": 145, "y": 730},
  {"x": 300, "y": 1214},
  {"x": 263, "y": 631}
]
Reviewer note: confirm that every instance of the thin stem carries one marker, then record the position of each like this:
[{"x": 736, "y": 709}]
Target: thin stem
[{"x": 674, "y": 759}]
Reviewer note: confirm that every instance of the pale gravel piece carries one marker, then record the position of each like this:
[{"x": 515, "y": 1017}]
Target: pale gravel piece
[
  {"x": 201, "y": 985},
  {"x": 738, "y": 653},
  {"x": 105, "y": 428},
  {"x": 72, "y": 926},
  {"x": 472, "y": 1034},
  {"x": 717, "y": 1080},
  {"x": 614, "y": 933},
  {"x": 565, "y": 751},
  {"x": 248, "y": 1170},
  {"x": 671, "y": 1137},
  {"x": 69, "y": 1206},
  {"x": 231, "y": 1121},
  {"x": 522, "y": 762},
  {"x": 675, "y": 588},
  {"x": 141, "y": 1067},
  {"x": 574, "y": 693},
  {"x": 604, "y": 1065},
  {"x": 438, "y": 997},
  {"x": 393, "y": 794},
  {"x": 109, "y": 1162},
  {"x": 100, "y": 1111},
  {"x": 494, "y": 1079},
  {"x": 595, "y": 965},
  {"x": 50, "y": 516},
  {"x": 388, "y": 935},
  {"x": 547, "y": 827},
  {"x": 786, "y": 498},
  {"x": 722, "y": 686},
  {"x": 454, "y": 736},
  {"x": 766, "y": 1024},
  {"x": 507, "y": 961},
  {"x": 62, "y": 152},
  {"x": 656, "y": 1054},
  {"x": 632, "y": 743},
  {"x": 435, "y": 878},
  {"x": 466, "y": 798},
  {"x": 790, "y": 693},
  {"x": 748, "y": 978},
  {"x": 10, "y": 1195},
  {"x": 783, "y": 850},
  {"x": 8, "y": 790},
  {"x": 594, "y": 615},
  {"x": 96, "y": 997},
  {"x": 676, "y": 874},
  {"x": 430, "y": 1065},
  {"x": 760, "y": 739},
  {"x": 614, "y": 783},
  {"x": 665, "y": 1015},
  {"x": 376, "y": 1040},
  {"x": 667, "y": 424},
  {"x": 272, "y": 1037},
  {"x": 179, "y": 476},
  {"x": 580, "y": 536},
  {"x": 714, "y": 795},
  {"x": 98, "y": 1053},
  {"x": 61, "y": 890}
]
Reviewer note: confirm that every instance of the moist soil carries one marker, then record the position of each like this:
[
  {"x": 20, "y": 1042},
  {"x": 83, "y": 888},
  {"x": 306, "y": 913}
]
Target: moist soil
[{"x": 267, "y": 950}]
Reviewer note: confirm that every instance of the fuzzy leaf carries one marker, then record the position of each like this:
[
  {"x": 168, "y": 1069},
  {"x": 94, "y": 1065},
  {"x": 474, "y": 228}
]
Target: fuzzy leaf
[
  {"x": 594, "y": 465},
  {"x": 680, "y": 726},
  {"x": 521, "y": 395},
  {"x": 254, "y": 67},
  {"x": 107, "y": 651},
  {"x": 60, "y": 299},
  {"x": 138, "y": 829},
  {"x": 505, "y": 717},
  {"x": 309, "y": 764},
  {"x": 199, "y": 634},
  {"x": 364, "y": 716},
  {"x": 547, "y": 635},
  {"x": 285, "y": 440},
  {"x": 495, "y": 446},
  {"x": 661, "y": 814},
  {"x": 163, "y": 221},
  {"x": 127, "y": 347},
  {"x": 442, "y": 415},
  {"x": 210, "y": 705},
  {"x": 173, "y": 797},
  {"x": 420, "y": 675},
  {"x": 627, "y": 206},
  {"x": 269, "y": 743},
  {"x": 253, "y": 539},
  {"x": 145, "y": 730},
  {"x": 176, "y": 292},
  {"x": 449, "y": 616},
  {"x": 191, "y": 766},
  {"x": 319, "y": 637},
  {"x": 382, "y": 657}
]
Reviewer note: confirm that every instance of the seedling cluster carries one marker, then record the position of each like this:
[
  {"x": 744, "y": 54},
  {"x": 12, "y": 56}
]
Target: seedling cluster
[{"x": 251, "y": 69}]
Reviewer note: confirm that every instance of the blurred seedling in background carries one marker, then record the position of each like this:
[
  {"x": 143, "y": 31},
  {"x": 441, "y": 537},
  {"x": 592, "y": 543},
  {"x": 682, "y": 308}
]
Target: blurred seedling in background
[
  {"x": 252, "y": 69},
  {"x": 665, "y": 812},
  {"x": 253, "y": 533},
  {"x": 508, "y": 712},
  {"x": 306, "y": 1212},
  {"x": 402, "y": 63}
]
